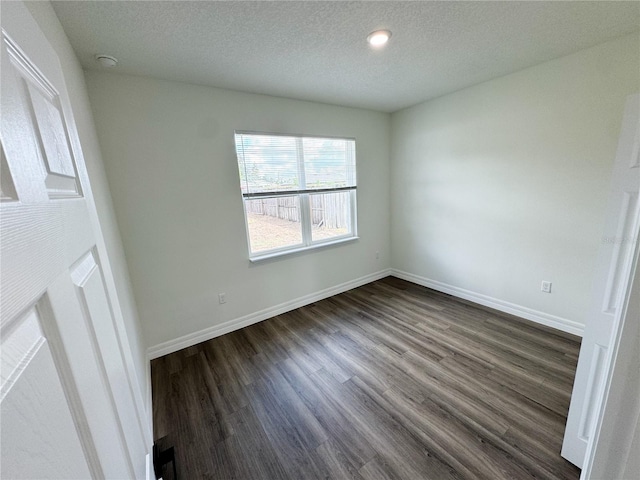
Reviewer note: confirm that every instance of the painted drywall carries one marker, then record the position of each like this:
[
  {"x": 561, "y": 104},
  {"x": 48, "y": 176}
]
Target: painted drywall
[
  {"x": 169, "y": 155},
  {"x": 122, "y": 296},
  {"x": 502, "y": 185}
]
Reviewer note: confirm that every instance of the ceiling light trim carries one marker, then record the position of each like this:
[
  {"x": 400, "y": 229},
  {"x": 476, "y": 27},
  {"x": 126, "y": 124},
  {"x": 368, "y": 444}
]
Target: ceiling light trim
[{"x": 379, "y": 38}]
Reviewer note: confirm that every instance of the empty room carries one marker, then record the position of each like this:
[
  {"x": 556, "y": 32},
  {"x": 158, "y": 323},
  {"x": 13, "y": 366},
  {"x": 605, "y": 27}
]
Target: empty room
[{"x": 320, "y": 239}]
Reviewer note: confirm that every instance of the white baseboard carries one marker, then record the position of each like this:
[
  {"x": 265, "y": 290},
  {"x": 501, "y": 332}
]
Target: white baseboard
[
  {"x": 241, "y": 322},
  {"x": 149, "y": 397},
  {"x": 564, "y": 324},
  {"x": 150, "y": 474},
  {"x": 542, "y": 318}
]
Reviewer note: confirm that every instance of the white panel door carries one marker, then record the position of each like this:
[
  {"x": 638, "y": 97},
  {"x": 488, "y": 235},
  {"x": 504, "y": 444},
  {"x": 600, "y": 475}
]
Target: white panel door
[
  {"x": 612, "y": 274},
  {"x": 68, "y": 404}
]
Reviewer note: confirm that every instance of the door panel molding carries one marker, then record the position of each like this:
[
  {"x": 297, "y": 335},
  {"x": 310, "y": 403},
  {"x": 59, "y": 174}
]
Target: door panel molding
[
  {"x": 68, "y": 381},
  {"x": 595, "y": 378},
  {"x": 7, "y": 188},
  {"x": 86, "y": 275},
  {"x": 47, "y": 122},
  {"x": 36, "y": 396},
  {"x": 629, "y": 202},
  {"x": 21, "y": 339}
]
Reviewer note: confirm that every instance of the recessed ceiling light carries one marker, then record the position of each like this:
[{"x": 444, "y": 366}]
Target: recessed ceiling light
[
  {"x": 378, "y": 38},
  {"x": 106, "y": 61}
]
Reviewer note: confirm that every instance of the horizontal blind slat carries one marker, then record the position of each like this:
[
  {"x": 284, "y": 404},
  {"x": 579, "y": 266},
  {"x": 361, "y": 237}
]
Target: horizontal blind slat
[{"x": 269, "y": 163}]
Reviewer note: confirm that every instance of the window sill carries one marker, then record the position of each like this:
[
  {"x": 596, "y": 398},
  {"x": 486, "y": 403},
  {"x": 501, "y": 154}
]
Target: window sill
[{"x": 269, "y": 256}]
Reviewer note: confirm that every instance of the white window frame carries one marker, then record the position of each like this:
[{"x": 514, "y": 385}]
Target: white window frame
[{"x": 304, "y": 203}]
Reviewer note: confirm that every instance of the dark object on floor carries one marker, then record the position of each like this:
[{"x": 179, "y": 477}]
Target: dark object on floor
[{"x": 161, "y": 458}]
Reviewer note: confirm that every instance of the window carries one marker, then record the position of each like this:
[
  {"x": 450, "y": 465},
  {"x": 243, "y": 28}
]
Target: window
[{"x": 299, "y": 192}]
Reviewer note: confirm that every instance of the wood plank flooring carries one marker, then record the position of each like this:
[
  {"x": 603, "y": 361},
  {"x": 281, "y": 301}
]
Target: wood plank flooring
[{"x": 387, "y": 381}]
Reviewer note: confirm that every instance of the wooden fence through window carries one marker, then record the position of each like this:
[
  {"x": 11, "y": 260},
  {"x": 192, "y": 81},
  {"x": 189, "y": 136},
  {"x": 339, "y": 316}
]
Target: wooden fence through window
[{"x": 327, "y": 210}]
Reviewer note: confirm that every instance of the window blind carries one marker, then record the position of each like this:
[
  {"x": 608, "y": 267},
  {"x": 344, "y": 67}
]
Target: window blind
[{"x": 272, "y": 165}]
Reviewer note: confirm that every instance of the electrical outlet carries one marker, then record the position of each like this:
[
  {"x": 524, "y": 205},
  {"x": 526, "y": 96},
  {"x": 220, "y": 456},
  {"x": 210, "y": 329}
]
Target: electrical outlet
[
  {"x": 546, "y": 286},
  {"x": 222, "y": 298}
]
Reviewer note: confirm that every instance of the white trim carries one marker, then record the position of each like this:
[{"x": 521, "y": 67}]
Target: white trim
[
  {"x": 564, "y": 324},
  {"x": 148, "y": 399},
  {"x": 149, "y": 474},
  {"x": 229, "y": 326},
  {"x": 291, "y": 250},
  {"x": 297, "y": 135}
]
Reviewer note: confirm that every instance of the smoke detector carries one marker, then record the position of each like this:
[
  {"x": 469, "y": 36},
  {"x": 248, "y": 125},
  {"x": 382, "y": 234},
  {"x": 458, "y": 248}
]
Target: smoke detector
[{"x": 106, "y": 61}]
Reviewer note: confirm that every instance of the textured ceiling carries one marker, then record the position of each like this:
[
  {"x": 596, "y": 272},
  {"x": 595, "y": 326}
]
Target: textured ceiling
[{"x": 317, "y": 51}]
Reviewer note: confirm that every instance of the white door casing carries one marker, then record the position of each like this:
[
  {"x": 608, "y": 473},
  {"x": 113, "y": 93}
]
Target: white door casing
[
  {"x": 70, "y": 406},
  {"x": 612, "y": 275}
]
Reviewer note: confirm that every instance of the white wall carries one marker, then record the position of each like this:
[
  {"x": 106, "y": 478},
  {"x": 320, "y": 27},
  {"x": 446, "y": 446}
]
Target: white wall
[
  {"x": 170, "y": 159},
  {"x": 74, "y": 79},
  {"x": 502, "y": 185}
]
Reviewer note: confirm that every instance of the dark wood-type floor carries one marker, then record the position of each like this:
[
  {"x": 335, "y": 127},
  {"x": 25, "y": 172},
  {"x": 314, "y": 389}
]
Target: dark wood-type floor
[{"x": 387, "y": 381}]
